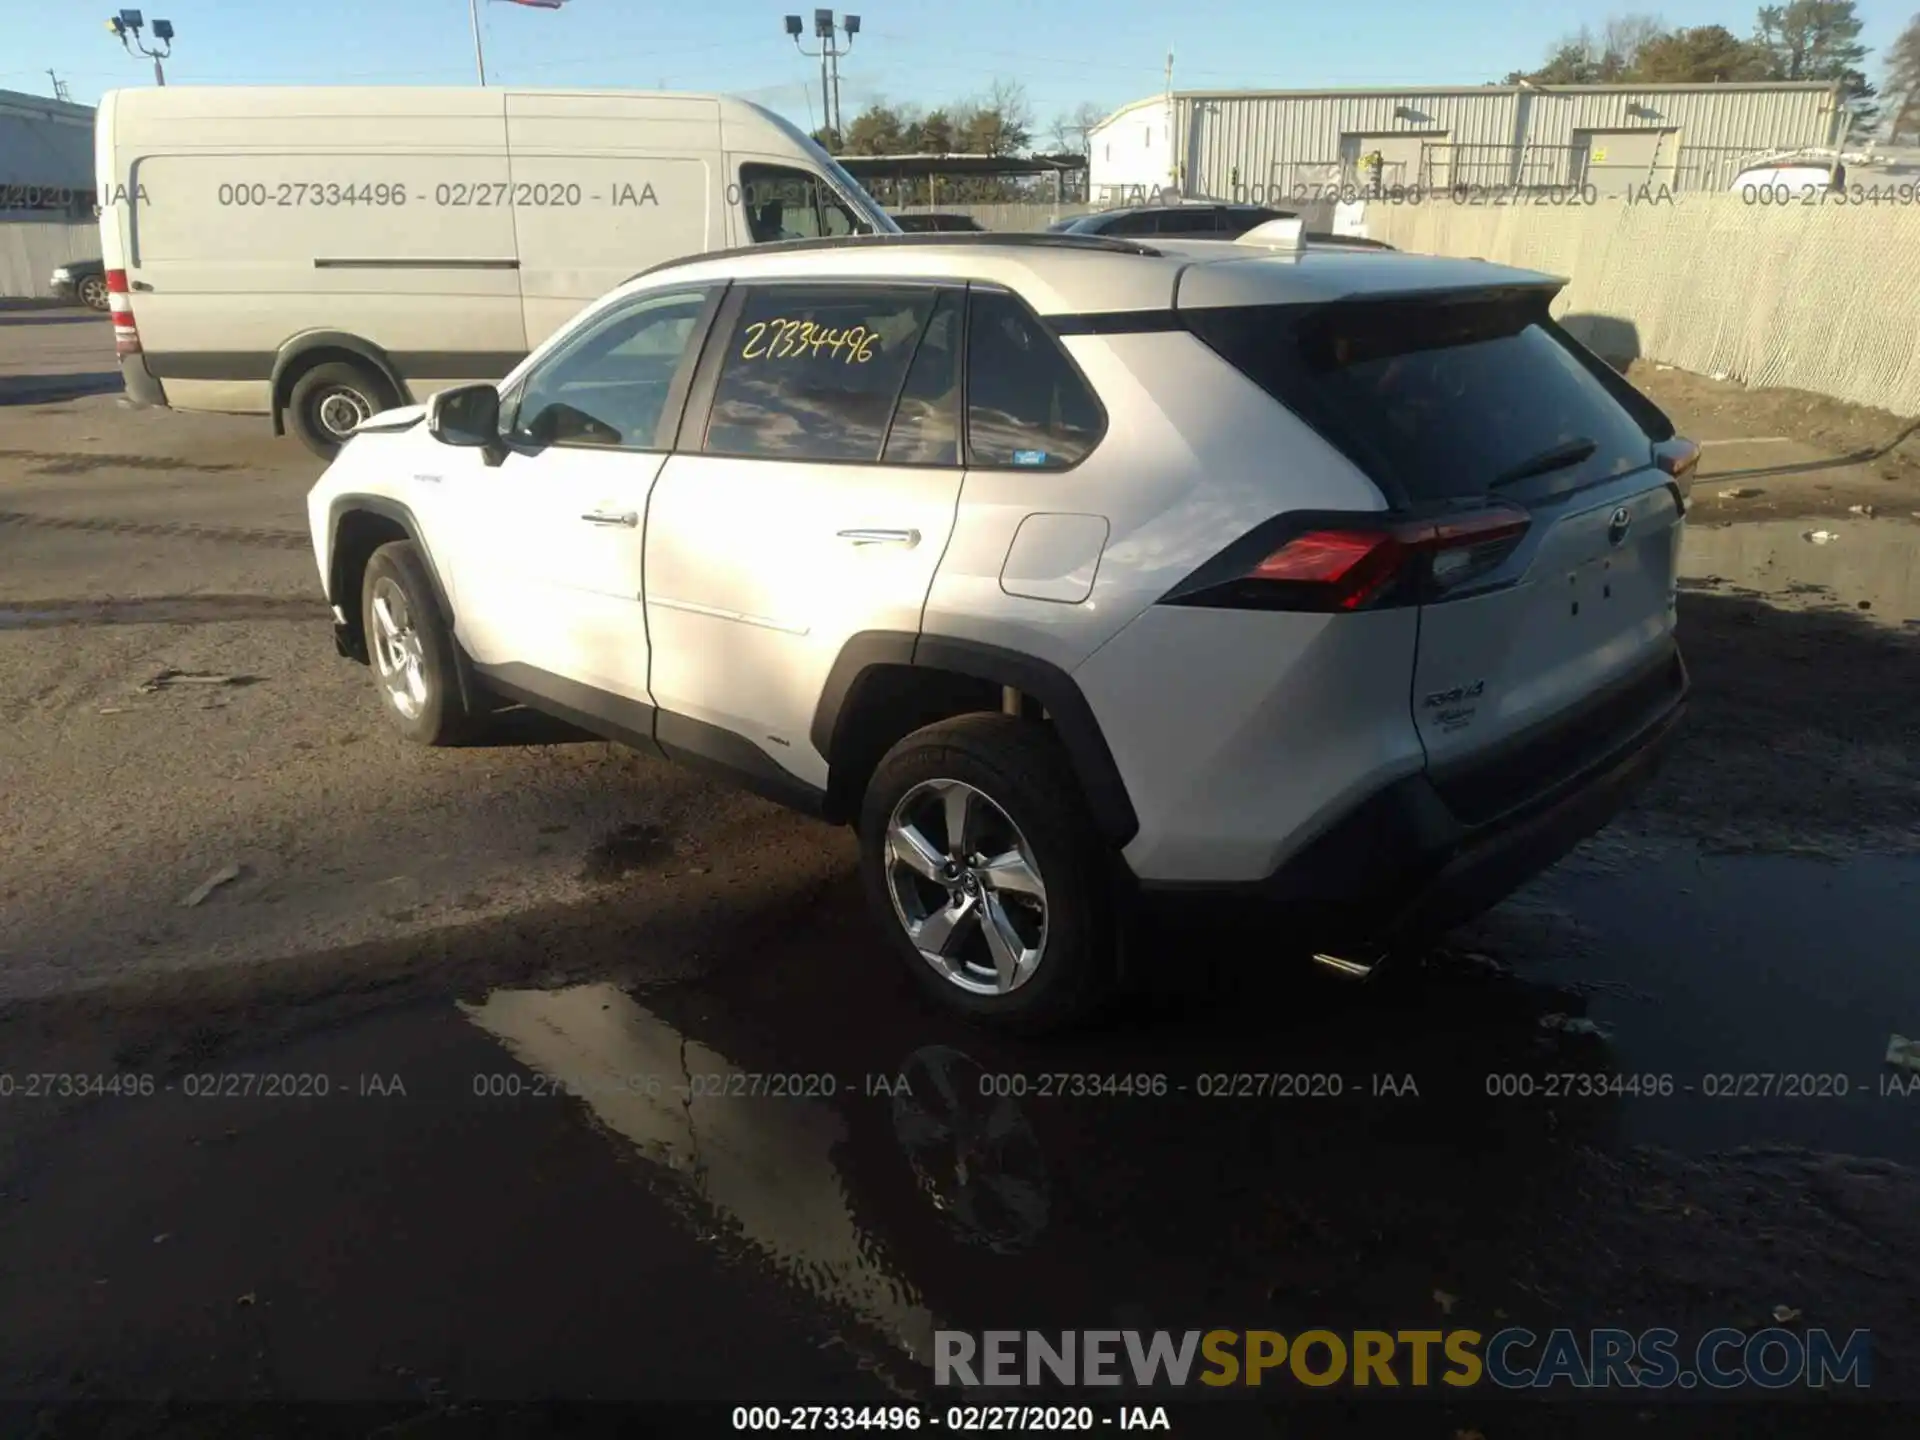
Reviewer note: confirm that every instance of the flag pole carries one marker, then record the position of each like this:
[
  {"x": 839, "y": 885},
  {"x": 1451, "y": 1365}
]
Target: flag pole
[{"x": 479, "y": 59}]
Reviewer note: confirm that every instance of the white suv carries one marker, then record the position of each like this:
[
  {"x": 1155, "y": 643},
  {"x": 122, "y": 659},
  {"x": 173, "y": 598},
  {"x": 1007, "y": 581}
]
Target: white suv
[{"x": 1067, "y": 569}]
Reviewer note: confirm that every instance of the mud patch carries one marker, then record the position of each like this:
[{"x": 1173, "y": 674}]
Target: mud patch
[
  {"x": 57, "y": 462},
  {"x": 158, "y": 610},
  {"x": 273, "y": 539},
  {"x": 620, "y": 852},
  {"x": 1801, "y": 731},
  {"x": 1889, "y": 443}
]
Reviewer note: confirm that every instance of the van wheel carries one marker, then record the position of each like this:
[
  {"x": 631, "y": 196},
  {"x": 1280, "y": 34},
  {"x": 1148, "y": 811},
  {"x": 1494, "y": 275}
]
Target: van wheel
[{"x": 330, "y": 399}]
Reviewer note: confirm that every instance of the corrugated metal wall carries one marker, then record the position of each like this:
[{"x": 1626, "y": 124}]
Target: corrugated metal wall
[{"x": 1234, "y": 144}]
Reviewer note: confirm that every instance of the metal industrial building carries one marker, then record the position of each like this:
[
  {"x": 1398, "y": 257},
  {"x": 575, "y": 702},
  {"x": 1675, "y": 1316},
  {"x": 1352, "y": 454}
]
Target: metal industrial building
[
  {"x": 1259, "y": 145},
  {"x": 46, "y": 157}
]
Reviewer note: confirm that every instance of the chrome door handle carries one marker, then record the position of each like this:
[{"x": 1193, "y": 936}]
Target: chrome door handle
[
  {"x": 611, "y": 517},
  {"x": 908, "y": 538}
]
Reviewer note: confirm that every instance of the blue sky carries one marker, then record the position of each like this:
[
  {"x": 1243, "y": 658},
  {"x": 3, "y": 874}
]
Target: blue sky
[{"x": 1065, "y": 52}]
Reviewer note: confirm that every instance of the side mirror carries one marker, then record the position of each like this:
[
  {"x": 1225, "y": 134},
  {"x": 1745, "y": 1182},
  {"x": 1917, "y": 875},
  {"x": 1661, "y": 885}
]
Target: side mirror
[{"x": 468, "y": 416}]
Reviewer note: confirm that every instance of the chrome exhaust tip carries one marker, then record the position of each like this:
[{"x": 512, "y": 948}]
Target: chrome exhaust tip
[{"x": 1341, "y": 965}]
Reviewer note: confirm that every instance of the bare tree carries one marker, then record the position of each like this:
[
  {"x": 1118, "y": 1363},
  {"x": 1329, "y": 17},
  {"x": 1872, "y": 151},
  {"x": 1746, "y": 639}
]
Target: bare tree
[
  {"x": 1625, "y": 36},
  {"x": 1069, "y": 132}
]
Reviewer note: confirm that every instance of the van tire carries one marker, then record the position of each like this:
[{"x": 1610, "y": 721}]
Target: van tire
[{"x": 332, "y": 397}]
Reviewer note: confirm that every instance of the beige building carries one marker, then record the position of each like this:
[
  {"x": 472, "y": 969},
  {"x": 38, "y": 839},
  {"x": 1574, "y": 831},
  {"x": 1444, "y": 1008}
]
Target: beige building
[{"x": 1261, "y": 145}]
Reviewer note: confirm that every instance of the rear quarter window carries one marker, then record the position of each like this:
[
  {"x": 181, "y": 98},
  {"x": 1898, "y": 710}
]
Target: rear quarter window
[
  {"x": 1028, "y": 407},
  {"x": 1437, "y": 398}
]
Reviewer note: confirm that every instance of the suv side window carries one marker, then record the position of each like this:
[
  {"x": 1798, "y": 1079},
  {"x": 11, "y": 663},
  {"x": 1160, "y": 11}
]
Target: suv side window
[
  {"x": 783, "y": 203},
  {"x": 926, "y": 422},
  {"x": 812, "y": 372},
  {"x": 608, "y": 385},
  {"x": 1027, "y": 405}
]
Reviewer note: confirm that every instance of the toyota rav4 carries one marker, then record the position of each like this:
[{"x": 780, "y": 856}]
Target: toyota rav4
[{"x": 1066, "y": 569}]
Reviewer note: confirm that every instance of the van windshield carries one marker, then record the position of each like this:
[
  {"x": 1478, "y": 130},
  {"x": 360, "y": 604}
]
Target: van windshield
[{"x": 785, "y": 203}]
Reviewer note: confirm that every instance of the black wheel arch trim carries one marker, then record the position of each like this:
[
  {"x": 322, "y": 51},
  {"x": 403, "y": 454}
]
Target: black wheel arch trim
[
  {"x": 337, "y": 510},
  {"x": 1056, "y": 691},
  {"x": 305, "y": 343}
]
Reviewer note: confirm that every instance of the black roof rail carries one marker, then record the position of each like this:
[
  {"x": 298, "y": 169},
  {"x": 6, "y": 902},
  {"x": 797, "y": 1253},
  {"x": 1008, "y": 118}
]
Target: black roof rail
[
  {"x": 1327, "y": 237},
  {"x": 986, "y": 239}
]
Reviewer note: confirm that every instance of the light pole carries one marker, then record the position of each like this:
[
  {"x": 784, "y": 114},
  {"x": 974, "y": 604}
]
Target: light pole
[
  {"x": 829, "y": 53},
  {"x": 127, "y": 25}
]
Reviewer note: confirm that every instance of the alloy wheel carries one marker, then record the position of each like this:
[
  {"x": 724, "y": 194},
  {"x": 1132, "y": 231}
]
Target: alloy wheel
[
  {"x": 399, "y": 654},
  {"x": 965, "y": 885}
]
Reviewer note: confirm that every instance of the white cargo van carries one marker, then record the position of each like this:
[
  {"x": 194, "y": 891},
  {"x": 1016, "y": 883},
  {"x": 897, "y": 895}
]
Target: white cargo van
[{"x": 317, "y": 254}]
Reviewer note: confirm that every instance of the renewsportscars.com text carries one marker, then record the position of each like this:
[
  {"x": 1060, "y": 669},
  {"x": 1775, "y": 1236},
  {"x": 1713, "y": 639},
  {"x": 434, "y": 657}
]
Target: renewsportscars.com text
[{"x": 1514, "y": 1358}]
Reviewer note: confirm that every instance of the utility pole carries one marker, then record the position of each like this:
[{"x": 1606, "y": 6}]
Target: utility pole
[
  {"x": 127, "y": 26},
  {"x": 824, "y": 30},
  {"x": 1174, "y": 168},
  {"x": 479, "y": 57},
  {"x": 59, "y": 87}
]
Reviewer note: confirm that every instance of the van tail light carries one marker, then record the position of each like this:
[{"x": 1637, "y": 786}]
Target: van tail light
[
  {"x": 126, "y": 335},
  {"x": 1679, "y": 458},
  {"x": 1363, "y": 562}
]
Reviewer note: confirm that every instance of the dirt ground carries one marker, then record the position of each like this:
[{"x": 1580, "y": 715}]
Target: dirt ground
[{"x": 1864, "y": 456}]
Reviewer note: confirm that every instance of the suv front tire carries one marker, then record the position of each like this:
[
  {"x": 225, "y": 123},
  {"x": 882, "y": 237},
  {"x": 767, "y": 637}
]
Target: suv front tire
[
  {"x": 411, "y": 649},
  {"x": 983, "y": 865}
]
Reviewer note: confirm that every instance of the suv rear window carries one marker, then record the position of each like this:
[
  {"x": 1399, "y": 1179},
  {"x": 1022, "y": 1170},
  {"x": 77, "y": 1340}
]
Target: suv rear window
[{"x": 1438, "y": 397}]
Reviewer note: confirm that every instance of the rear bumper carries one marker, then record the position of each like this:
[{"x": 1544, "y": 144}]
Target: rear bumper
[
  {"x": 65, "y": 287},
  {"x": 1404, "y": 866}
]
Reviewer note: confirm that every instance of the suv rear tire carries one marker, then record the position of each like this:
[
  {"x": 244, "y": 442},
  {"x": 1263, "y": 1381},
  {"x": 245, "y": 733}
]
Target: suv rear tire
[
  {"x": 92, "y": 292},
  {"x": 330, "y": 399},
  {"x": 411, "y": 649},
  {"x": 1014, "y": 921}
]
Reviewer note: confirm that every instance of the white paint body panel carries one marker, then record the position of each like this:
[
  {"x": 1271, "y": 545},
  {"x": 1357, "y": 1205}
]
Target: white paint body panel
[{"x": 752, "y": 590}]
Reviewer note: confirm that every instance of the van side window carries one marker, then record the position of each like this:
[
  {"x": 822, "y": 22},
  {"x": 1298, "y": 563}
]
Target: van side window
[
  {"x": 608, "y": 386},
  {"x": 812, "y": 372},
  {"x": 1027, "y": 406},
  {"x": 783, "y": 203}
]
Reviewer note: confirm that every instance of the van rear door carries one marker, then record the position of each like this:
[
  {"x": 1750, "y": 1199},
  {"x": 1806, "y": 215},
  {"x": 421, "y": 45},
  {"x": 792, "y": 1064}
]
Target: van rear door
[{"x": 605, "y": 186}]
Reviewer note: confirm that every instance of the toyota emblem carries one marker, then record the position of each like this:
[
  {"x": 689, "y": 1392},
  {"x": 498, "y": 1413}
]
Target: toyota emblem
[{"x": 1618, "y": 526}]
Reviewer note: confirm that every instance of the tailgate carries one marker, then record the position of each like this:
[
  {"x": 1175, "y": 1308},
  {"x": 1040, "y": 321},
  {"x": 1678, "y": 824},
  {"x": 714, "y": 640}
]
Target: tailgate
[{"x": 1585, "y": 603}]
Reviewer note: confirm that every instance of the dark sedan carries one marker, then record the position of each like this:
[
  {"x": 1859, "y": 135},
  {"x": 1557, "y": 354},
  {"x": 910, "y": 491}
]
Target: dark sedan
[{"x": 82, "y": 280}]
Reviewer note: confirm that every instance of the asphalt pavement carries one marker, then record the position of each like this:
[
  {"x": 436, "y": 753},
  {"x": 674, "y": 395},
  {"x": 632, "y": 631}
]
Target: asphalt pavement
[{"x": 540, "y": 1071}]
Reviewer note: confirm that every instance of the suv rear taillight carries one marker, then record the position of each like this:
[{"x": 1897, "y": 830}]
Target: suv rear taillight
[
  {"x": 1363, "y": 563},
  {"x": 126, "y": 336}
]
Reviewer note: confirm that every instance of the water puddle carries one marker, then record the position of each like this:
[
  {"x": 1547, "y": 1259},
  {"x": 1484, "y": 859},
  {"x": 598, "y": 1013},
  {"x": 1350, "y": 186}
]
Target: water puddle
[
  {"x": 1868, "y": 566},
  {"x": 1767, "y": 986},
  {"x": 756, "y": 1148}
]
